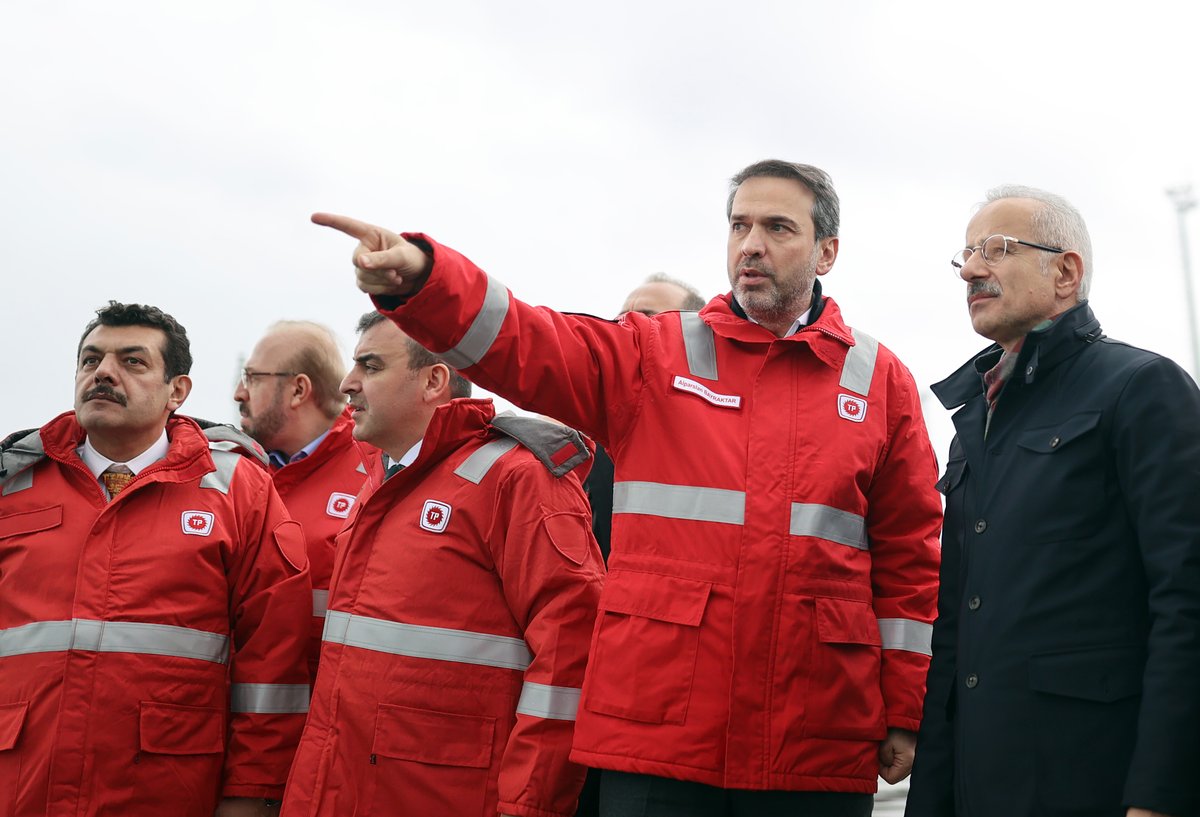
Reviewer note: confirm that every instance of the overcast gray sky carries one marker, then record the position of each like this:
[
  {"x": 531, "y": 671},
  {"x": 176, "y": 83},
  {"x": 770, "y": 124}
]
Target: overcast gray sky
[{"x": 171, "y": 153}]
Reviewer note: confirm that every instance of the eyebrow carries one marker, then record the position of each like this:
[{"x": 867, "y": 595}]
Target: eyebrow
[
  {"x": 124, "y": 350},
  {"x": 368, "y": 357},
  {"x": 776, "y": 219}
]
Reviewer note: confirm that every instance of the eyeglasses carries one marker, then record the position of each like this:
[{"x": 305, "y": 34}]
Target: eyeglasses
[
  {"x": 248, "y": 376},
  {"x": 994, "y": 248}
]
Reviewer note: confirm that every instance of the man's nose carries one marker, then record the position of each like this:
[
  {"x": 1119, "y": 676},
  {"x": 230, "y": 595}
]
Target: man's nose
[
  {"x": 105, "y": 370},
  {"x": 752, "y": 244}
]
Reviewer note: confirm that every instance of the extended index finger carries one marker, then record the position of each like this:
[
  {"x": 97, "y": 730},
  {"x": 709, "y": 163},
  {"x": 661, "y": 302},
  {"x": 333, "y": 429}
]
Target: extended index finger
[{"x": 350, "y": 226}]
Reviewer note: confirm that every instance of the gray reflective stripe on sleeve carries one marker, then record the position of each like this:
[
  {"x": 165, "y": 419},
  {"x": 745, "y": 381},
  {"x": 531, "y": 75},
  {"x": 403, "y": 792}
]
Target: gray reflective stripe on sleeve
[
  {"x": 320, "y": 603},
  {"x": 859, "y": 368},
  {"x": 417, "y": 641},
  {"x": 222, "y": 478},
  {"x": 484, "y": 329},
  {"x": 543, "y": 701},
  {"x": 18, "y": 482},
  {"x": 906, "y": 634},
  {"x": 825, "y": 522},
  {"x": 680, "y": 502},
  {"x": 475, "y": 467},
  {"x": 269, "y": 699},
  {"x": 699, "y": 344},
  {"x": 114, "y": 636}
]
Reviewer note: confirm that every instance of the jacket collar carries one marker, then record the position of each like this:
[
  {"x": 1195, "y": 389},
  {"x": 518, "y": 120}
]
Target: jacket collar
[
  {"x": 827, "y": 335},
  {"x": 814, "y": 312},
  {"x": 1043, "y": 350}
]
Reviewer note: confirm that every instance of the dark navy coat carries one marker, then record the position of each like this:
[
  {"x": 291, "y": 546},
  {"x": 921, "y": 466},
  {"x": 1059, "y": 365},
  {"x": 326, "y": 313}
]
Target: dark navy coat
[{"x": 1066, "y": 655}]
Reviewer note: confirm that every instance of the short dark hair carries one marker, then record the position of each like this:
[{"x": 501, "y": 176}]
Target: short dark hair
[
  {"x": 176, "y": 351},
  {"x": 826, "y": 208},
  {"x": 419, "y": 356}
]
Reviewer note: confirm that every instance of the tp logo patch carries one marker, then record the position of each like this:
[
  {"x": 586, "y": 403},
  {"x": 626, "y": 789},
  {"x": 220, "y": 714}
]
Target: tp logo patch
[
  {"x": 196, "y": 523},
  {"x": 435, "y": 515},
  {"x": 853, "y": 409},
  {"x": 339, "y": 505}
]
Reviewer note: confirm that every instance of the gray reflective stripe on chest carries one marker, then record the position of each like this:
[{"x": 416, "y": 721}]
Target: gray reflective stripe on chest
[
  {"x": 114, "y": 636},
  {"x": 859, "y": 369},
  {"x": 483, "y": 330},
  {"x": 700, "y": 346},
  {"x": 680, "y": 502},
  {"x": 833, "y": 524},
  {"x": 417, "y": 641},
  {"x": 270, "y": 699},
  {"x": 906, "y": 634},
  {"x": 475, "y": 467},
  {"x": 226, "y": 463}
]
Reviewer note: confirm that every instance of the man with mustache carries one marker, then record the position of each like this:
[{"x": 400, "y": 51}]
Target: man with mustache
[
  {"x": 1067, "y": 644},
  {"x": 154, "y": 598},
  {"x": 290, "y": 399},
  {"x": 766, "y": 620},
  {"x": 463, "y": 596}
]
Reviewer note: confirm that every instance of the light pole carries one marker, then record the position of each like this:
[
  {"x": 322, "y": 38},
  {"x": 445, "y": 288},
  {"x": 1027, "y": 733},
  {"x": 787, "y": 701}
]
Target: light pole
[{"x": 1184, "y": 200}]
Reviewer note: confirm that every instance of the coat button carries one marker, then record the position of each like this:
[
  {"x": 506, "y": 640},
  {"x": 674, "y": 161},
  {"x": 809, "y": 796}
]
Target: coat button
[
  {"x": 980, "y": 526},
  {"x": 973, "y": 603},
  {"x": 1054, "y": 441},
  {"x": 1028, "y": 370},
  {"x": 972, "y": 681}
]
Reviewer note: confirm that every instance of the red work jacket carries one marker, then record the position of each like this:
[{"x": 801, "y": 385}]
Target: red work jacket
[
  {"x": 152, "y": 647},
  {"x": 773, "y": 577},
  {"x": 464, "y": 595},
  {"x": 319, "y": 492}
]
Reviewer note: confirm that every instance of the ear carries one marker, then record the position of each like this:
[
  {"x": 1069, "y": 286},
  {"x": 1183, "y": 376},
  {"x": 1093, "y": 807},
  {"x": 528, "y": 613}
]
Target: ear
[
  {"x": 1068, "y": 276},
  {"x": 827, "y": 250},
  {"x": 437, "y": 384},
  {"x": 181, "y": 387},
  {"x": 302, "y": 389}
]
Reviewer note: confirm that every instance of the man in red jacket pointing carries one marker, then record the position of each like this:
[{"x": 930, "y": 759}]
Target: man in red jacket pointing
[
  {"x": 766, "y": 621},
  {"x": 154, "y": 598}
]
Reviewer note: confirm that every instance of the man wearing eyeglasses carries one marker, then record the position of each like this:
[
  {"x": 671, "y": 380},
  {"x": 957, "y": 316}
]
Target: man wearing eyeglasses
[
  {"x": 291, "y": 402},
  {"x": 1067, "y": 647}
]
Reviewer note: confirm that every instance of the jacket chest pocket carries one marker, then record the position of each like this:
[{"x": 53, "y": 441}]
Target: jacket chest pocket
[
  {"x": 1063, "y": 471},
  {"x": 646, "y": 619}
]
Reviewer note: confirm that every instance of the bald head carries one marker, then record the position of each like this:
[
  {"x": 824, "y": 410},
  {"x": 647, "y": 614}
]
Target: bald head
[
  {"x": 308, "y": 348},
  {"x": 661, "y": 293},
  {"x": 290, "y": 393}
]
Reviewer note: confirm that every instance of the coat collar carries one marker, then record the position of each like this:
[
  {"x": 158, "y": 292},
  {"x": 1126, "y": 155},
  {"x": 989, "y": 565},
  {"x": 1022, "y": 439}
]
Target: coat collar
[
  {"x": 826, "y": 334},
  {"x": 1043, "y": 350}
]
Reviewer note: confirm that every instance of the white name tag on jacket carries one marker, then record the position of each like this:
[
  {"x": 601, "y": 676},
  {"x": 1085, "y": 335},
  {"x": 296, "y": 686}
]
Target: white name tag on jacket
[{"x": 700, "y": 390}]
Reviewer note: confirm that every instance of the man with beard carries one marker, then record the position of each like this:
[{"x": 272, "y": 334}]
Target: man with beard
[
  {"x": 154, "y": 594},
  {"x": 1067, "y": 644},
  {"x": 290, "y": 399},
  {"x": 766, "y": 620}
]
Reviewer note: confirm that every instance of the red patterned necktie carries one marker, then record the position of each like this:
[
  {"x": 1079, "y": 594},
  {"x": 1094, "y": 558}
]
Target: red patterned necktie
[{"x": 116, "y": 478}]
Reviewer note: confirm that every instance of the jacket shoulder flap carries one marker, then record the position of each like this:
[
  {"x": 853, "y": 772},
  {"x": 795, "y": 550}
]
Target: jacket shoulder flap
[
  {"x": 224, "y": 437},
  {"x": 19, "y": 451},
  {"x": 557, "y": 447}
]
